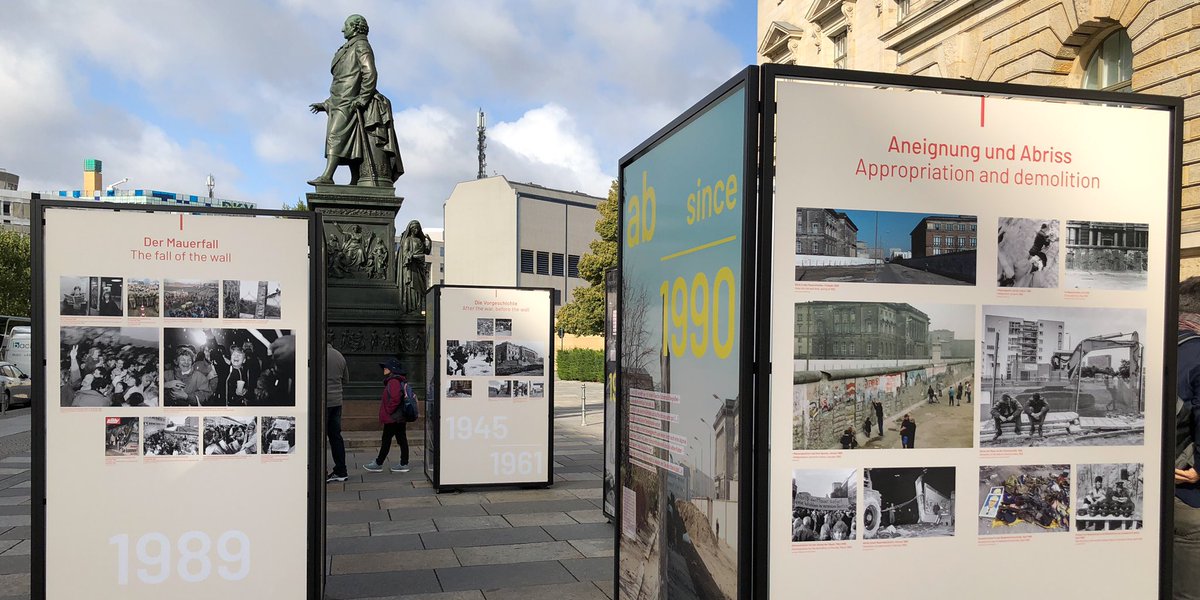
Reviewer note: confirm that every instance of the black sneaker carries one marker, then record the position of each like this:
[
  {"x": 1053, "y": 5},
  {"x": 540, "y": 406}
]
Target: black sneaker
[{"x": 335, "y": 478}]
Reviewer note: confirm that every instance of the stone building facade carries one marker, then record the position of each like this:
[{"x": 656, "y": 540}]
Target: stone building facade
[
  {"x": 860, "y": 330},
  {"x": 944, "y": 235},
  {"x": 1148, "y": 46},
  {"x": 825, "y": 232}
]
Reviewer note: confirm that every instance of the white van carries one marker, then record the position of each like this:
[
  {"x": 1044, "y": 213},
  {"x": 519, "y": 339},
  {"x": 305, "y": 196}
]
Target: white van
[{"x": 18, "y": 348}]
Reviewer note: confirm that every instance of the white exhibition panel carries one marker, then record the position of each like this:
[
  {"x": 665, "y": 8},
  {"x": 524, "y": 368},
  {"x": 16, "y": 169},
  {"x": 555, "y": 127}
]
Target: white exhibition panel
[
  {"x": 494, "y": 354},
  {"x": 127, "y": 517},
  {"x": 833, "y": 152}
]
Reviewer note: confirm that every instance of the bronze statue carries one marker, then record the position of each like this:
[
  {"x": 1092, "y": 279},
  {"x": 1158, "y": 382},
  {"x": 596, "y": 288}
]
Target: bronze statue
[
  {"x": 360, "y": 132},
  {"x": 414, "y": 281}
]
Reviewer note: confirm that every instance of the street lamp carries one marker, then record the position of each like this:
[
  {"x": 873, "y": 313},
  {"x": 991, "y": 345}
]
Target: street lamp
[{"x": 562, "y": 332}]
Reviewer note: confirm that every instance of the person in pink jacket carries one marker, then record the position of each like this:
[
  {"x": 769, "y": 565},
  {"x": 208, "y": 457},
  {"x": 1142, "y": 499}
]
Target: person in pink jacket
[{"x": 394, "y": 387}]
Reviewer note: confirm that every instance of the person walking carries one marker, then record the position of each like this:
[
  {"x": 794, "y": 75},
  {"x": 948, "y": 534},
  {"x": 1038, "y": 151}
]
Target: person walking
[
  {"x": 395, "y": 387},
  {"x": 950, "y": 396},
  {"x": 1186, "y": 557},
  {"x": 958, "y": 393},
  {"x": 335, "y": 378},
  {"x": 908, "y": 432}
]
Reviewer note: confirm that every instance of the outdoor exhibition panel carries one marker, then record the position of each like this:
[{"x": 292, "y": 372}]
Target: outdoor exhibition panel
[
  {"x": 491, "y": 386},
  {"x": 686, "y": 248},
  {"x": 609, "y": 491},
  {"x": 181, "y": 457},
  {"x": 970, "y": 317}
]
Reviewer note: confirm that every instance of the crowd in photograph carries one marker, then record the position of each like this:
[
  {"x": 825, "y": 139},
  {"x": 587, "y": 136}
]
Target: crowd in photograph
[
  {"x": 170, "y": 443},
  {"x": 120, "y": 437},
  {"x": 278, "y": 435},
  {"x": 192, "y": 300},
  {"x": 101, "y": 369},
  {"x": 143, "y": 298},
  {"x": 812, "y": 525},
  {"x": 228, "y": 367},
  {"x": 230, "y": 437}
]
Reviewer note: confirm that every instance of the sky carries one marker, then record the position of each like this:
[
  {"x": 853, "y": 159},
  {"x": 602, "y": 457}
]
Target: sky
[{"x": 166, "y": 93}]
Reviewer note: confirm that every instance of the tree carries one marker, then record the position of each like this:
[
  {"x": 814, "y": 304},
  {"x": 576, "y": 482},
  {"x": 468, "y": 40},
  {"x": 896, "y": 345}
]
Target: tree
[
  {"x": 299, "y": 205},
  {"x": 15, "y": 273},
  {"x": 584, "y": 315}
]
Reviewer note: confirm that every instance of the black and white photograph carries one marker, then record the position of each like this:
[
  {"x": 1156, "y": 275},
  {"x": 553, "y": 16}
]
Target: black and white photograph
[
  {"x": 485, "y": 327},
  {"x": 883, "y": 375},
  {"x": 470, "y": 358},
  {"x": 524, "y": 358},
  {"x": 1020, "y": 499},
  {"x": 537, "y": 389},
  {"x": 91, "y": 296},
  {"x": 230, "y": 436},
  {"x": 122, "y": 436},
  {"x": 102, "y": 367},
  {"x": 1062, "y": 376},
  {"x": 171, "y": 436},
  {"x": 1109, "y": 497},
  {"x": 191, "y": 299},
  {"x": 824, "y": 505},
  {"x": 908, "y": 502},
  {"x": 1103, "y": 255},
  {"x": 504, "y": 327},
  {"x": 520, "y": 388},
  {"x": 278, "y": 435},
  {"x": 459, "y": 388},
  {"x": 143, "y": 297},
  {"x": 251, "y": 299},
  {"x": 1027, "y": 253},
  {"x": 872, "y": 246},
  {"x": 228, "y": 367},
  {"x": 500, "y": 388}
]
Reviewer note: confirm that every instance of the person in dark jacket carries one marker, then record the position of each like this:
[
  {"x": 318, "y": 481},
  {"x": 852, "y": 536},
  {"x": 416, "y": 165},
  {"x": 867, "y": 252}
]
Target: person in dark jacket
[
  {"x": 1037, "y": 409},
  {"x": 394, "y": 391},
  {"x": 336, "y": 377},
  {"x": 1186, "y": 557},
  {"x": 908, "y": 432},
  {"x": 849, "y": 440}
]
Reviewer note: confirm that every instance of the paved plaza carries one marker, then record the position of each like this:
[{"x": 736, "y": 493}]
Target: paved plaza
[{"x": 390, "y": 536}]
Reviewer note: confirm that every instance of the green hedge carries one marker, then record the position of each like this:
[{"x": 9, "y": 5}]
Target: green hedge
[{"x": 579, "y": 364}]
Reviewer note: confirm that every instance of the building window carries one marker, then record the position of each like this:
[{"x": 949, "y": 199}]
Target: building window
[
  {"x": 937, "y": 240},
  {"x": 572, "y": 265},
  {"x": 902, "y": 7},
  {"x": 816, "y": 247},
  {"x": 1111, "y": 66},
  {"x": 839, "y": 51},
  {"x": 7, "y": 209},
  {"x": 527, "y": 261},
  {"x": 556, "y": 265},
  {"x": 441, "y": 250},
  {"x": 816, "y": 229},
  {"x": 543, "y": 263}
]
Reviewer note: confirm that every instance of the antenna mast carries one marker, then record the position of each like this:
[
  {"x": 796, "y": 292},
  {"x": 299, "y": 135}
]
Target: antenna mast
[{"x": 481, "y": 129}]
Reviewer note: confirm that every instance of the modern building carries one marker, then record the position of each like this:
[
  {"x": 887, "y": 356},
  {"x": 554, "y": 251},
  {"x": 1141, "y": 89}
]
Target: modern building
[
  {"x": 8, "y": 181},
  {"x": 825, "y": 232},
  {"x": 943, "y": 235},
  {"x": 504, "y": 233},
  {"x": 726, "y": 444},
  {"x": 1143, "y": 46},
  {"x": 1014, "y": 348},
  {"x": 861, "y": 330},
  {"x": 14, "y": 210},
  {"x": 94, "y": 189}
]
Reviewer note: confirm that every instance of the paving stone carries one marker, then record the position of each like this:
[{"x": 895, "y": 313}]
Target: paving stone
[
  {"x": 350, "y": 516},
  {"x": 463, "y": 595},
  {"x": 13, "y": 500},
  {"x": 539, "y": 519},
  {"x": 588, "y": 516},
  {"x": 346, "y": 531},
  {"x": 605, "y": 587},
  {"x": 22, "y": 548},
  {"x": 374, "y": 484},
  {"x": 589, "y": 494},
  {"x": 574, "y": 468},
  {"x": 437, "y": 511},
  {"x": 583, "y": 590},
  {"x": 528, "y": 495},
  {"x": 402, "y": 527},
  {"x": 15, "y": 564},
  {"x": 516, "y": 553},
  {"x": 368, "y": 585},
  {"x": 396, "y": 492},
  {"x": 382, "y": 562},
  {"x": 340, "y": 496},
  {"x": 464, "y": 523},
  {"x": 590, "y": 569},
  {"x": 594, "y": 548},
  {"x": 485, "y": 577},
  {"x": 456, "y": 499},
  {"x": 574, "y": 476},
  {"x": 485, "y": 537},
  {"x": 356, "y": 505},
  {"x": 507, "y": 508},
  {"x": 16, "y": 584},
  {"x": 574, "y": 486},
  {"x": 580, "y": 532},
  {"x": 17, "y": 533},
  {"x": 412, "y": 502},
  {"x": 375, "y": 543}
]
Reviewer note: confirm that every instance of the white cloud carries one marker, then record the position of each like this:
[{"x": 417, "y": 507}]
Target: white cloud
[{"x": 547, "y": 137}]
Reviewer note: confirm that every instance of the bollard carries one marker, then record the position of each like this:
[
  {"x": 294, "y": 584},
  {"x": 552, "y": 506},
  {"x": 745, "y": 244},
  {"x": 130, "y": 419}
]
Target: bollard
[{"x": 583, "y": 403}]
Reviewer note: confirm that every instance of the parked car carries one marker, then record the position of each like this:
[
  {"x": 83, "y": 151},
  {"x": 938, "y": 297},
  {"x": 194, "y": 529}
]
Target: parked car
[
  {"x": 16, "y": 347},
  {"x": 15, "y": 384}
]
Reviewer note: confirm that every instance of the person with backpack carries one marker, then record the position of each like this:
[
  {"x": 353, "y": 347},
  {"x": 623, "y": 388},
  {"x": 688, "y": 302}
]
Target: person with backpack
[
  {"x": 396, "y": 392},
  {"x": 1185, "y": 574}
]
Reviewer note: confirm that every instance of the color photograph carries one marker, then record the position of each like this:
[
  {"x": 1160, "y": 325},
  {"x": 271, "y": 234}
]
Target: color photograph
[
  {"x": 191, "y": 299},
  {"x": 1018, "y": 499}
]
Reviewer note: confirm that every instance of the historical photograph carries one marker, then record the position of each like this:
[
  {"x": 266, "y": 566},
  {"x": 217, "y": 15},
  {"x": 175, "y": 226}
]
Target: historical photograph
[
  {"x": 1108, "y": 497},
  {"x": 278, "y": 435},
  {"x": 504, "y": 327},
  {"x": 872, "y": 246},
  {"x": 230, "y": 435},
  {"x": 144, "y": 296},
  {"x": 500, "y": 388},
  {"x": 171, "y": 436},
  {"x": 537, "y": 389},
  {"x": 1062, "y": 376},
  {"x": 1018, "y": 499},
  {"x": 520, "y": 388},
  {"x": 251, "y": 299},
  {"x": 121, "y": 436},
  {"x": 1107, "y": 256},
  {"x": 470, "y": 358},
  {"x": 459, "y": 388},
  {"x": 485, "y": 327},
  {"x": 108, "y": 366},
  {"x": 1027, "y": 253},
  {"x": 908, "y": 502},
  {"x": 823, "y": 504},
  {"x": 91, "y": 296},
  {"x": 876, "y": 375},
  {"x": 525, "y": 358},
  {"x": 229, "y": 367},
  {"x": 191, "y": 299}
]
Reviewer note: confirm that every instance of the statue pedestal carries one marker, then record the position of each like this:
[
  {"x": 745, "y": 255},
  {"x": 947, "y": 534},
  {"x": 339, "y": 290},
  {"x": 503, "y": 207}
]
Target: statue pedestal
[{"x": 364, "y": 319}]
